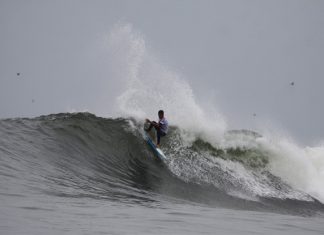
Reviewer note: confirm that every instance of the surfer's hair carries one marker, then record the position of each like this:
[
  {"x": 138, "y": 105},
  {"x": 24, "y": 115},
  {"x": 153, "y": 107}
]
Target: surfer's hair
[{"x": 161, "y": 112}]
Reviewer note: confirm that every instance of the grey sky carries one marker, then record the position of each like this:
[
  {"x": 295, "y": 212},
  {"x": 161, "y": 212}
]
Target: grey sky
[{"x": 241, "y": 54}]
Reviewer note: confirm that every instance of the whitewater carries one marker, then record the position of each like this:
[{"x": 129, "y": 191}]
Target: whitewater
[{"x": 92, "y": 172}]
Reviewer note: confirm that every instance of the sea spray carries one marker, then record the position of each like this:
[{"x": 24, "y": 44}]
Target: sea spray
[{"x": 152, "y": 86}]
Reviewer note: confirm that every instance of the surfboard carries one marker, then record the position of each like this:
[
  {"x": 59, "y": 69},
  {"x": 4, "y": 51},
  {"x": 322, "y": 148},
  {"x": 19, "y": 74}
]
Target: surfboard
[{"x": 157, "y": 151}]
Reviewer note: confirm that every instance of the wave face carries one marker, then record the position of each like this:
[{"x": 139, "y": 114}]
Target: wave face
[{"x": 83, "y": 156}]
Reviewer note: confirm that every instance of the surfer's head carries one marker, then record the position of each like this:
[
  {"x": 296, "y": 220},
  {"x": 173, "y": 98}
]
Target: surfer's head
[{"x": 161, "y": 114}]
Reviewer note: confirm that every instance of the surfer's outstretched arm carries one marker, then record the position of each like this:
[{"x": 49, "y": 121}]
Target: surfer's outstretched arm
[{"x": 153, "y": 123}]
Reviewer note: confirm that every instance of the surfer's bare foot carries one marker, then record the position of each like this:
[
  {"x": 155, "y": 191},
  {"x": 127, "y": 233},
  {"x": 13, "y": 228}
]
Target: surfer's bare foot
[{"x": 157, "y": 145}]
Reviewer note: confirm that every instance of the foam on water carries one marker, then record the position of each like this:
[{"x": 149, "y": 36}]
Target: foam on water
[{"x": 301, "y": 167}]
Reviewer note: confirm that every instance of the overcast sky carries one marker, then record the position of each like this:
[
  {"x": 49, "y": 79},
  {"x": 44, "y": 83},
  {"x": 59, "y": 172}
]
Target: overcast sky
[{"x": 243, "y": 55}]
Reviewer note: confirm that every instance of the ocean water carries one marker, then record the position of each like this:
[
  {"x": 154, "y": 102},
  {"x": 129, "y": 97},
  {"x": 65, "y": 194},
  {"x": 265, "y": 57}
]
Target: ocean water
[
  {"x": 76, "y": 173},
  {"x": 93, "y": 172}
]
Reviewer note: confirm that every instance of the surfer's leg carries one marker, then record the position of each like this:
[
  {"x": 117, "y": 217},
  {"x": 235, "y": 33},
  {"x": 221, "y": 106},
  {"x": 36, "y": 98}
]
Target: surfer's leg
[{"x": 159, "y": 134}]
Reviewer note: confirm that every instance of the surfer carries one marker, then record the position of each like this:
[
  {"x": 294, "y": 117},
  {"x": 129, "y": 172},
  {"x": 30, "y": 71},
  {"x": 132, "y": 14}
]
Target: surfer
[{"x": 161, "y": 126}]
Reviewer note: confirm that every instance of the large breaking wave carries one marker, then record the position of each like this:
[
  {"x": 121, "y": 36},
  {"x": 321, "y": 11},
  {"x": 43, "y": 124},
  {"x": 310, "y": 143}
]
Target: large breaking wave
[
  {"x": 151, "y": 86},
  {"x": 81, "y": 155}
]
